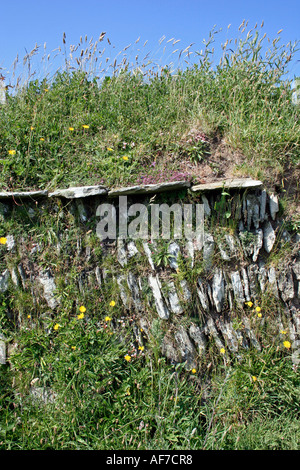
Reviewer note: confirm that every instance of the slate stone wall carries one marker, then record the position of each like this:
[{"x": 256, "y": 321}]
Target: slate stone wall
[{"x": 199, "y": 297}]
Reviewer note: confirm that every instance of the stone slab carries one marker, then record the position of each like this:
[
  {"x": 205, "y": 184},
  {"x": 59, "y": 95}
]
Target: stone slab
[
  {"x": 149, "y": 188},
  {"x": 227, "y": 184},
  {"x": 23, "y": 194},
  {"x": 76, "y": 192}
]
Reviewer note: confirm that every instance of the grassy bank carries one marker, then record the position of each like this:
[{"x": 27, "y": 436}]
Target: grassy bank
[{"x": 138, "y": 122}]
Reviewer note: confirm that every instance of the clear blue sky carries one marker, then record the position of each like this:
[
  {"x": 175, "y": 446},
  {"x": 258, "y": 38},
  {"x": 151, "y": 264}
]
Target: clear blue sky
[{"x": 26, "y": 22}]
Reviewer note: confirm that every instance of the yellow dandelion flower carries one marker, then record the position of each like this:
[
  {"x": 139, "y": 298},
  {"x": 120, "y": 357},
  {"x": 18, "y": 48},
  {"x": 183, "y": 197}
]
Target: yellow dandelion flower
[
  {"x": 31, "y": 128},
  {"x": 3, "y": 240},
  {"x": 283, "y": 332},
  {"x": 194, "y": 371},
  {"x": 259, "y": 315},
  {"x": 258, "y": 309},
  {"x": 11, "y": 152},
  {"x": 46, "y": 89},
  {"x": 71, "y": 128},
  {"x": 222, "y": 351},
  {"x": 82, "y": 309},
  {"x": 287, "y": 344},
  {"x": 28, "y": 316},
  {"x": 80, "y": 316},
  {"x": 249, "y": 304},
  {"x": 73, "y": 347},
  {"x": 125, "y": 158},
  {"x": 141, "y": 348},
  {"x": 107, "y": 319},
  {"x": 254, "y": 378},
  {"x": 42, "y": 139},
  {"x": 56, "y": 326},
  {"x": 85, "y": 126},
  {"x": 110, "y": 149},
  {"x": 112, "y": 303},
  {"x": 127, "y": 358},
  {"x": 142, "y": 329}
]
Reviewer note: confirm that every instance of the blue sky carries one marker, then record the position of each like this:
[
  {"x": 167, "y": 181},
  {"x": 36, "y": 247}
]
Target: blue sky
[{"x": 27, "y": 22}]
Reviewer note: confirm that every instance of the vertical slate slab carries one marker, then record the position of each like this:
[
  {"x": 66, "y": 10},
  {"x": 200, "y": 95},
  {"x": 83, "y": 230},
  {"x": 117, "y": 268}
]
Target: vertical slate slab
[
  {"x": 2, "y": 350},
  {"x": 2, "y": 92}
]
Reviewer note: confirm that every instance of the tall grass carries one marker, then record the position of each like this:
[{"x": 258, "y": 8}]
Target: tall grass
[{"x": 144, "y": 111}]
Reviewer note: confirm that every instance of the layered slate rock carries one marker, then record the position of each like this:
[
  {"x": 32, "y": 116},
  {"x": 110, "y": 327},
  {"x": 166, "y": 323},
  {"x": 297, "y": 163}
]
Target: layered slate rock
[
  {"x": 199, "y": 311},
  {"x": 23, "y": 194},
  {"x": 4, "y": 280},
  {"x": 161, "y": 307},
  {"x": 2, "y": 349},
  {"x": 77, "y": 192},
  {"x": 227, "y": 184},
  {"x": 49, "y": 286},
  {"x": 149, "y": 188}
]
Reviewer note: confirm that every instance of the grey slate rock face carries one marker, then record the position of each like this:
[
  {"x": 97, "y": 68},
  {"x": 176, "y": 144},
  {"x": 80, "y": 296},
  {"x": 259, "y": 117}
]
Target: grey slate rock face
[
  {"x": 202, "y": 291},
  {"x": 121, "y": 252},
  {"x": 4, "y": 280},
  {"x": 161, "y": 307},
  {"x": 246, "y": 284},
  {"x": 2, "y": 349},
  {"x": 174, "y": 251},
  {"x": 149, "y": 188},
  {"x": 131, "y": 249},
  {"x": 186, "y": 347},
  {"x": 229, "y": 335},
  {"x": 185, "y": 290},
  {"x": 237, "y": 288},
  {"x": 218, "y": 290},
  {"x": 207, "y": 210},
  {"x": 258, "y": 244},
  {"x": 77, "y": 192},
  {"x": 211, "y": 331},
  {"x": 198, "y": 336},
  {"x": 123, "y": 293},
  {"x": 148, "y": 254},
  {"x": 286, "y": 285},
  {"x": 10, "y": 243},
  {"x": 23, "y": 194},
  {"x": 174, "y": 300},
  {"x": 134, "y": 289},
  {"x": 296, "y": 271},
  {"x": 269, "y": 237},
  {"x": 47, "y": 281},
  {"x": 273, "y": 281},
  {"x": 250, "y": 334},
  {"x": 252, "y": 211},
  {"x": 274, "y": 206},
  {"x": 83, "y": 216},
  {"x": 263, "y": 204},
  {"x": 208, "y": 249},
  {"x": 227, "y": 184}
]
